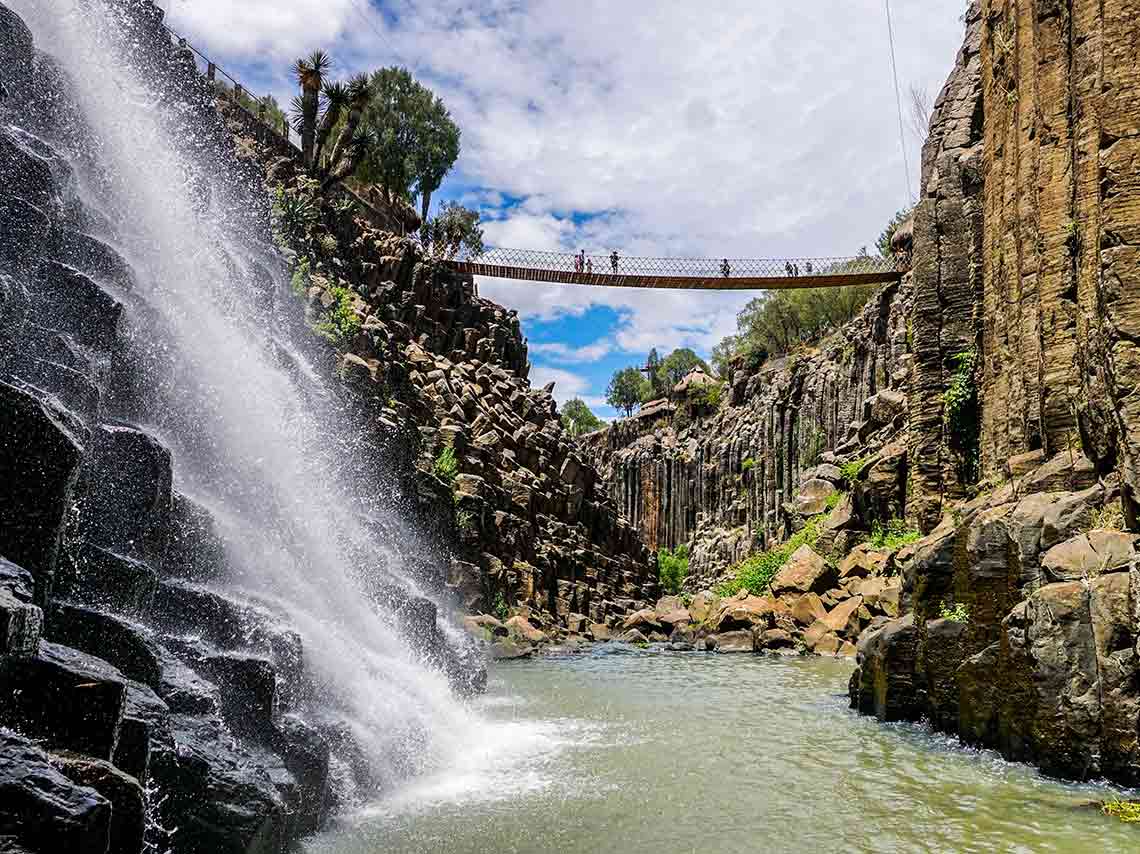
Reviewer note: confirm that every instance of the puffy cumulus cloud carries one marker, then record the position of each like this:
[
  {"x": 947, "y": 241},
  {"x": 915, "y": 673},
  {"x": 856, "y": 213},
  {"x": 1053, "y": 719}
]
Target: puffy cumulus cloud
[
  {"x": 667, "y": 128},
  {"x": 567, "y": 385}
]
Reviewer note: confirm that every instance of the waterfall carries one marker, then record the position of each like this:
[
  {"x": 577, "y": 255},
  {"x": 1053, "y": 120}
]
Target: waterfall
[{"x": 257, "y": 433}]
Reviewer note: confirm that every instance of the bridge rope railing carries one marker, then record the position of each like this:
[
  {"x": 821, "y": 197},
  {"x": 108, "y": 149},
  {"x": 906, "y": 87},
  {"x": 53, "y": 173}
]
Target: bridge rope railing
[
  {"x": 264, "y": 108},
  {"x": 678, "y": 267}
]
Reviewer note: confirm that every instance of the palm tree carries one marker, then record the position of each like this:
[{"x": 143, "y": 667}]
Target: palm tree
[
  {"x": 336, "y": 99},
  {"x": 349, "y": 156},
  {"x": 310, "y": 73},
  {"x": 359, "y": 93}
]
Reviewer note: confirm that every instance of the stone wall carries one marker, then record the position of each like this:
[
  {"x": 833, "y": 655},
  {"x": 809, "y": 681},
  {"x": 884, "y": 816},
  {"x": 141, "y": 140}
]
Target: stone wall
[
  {"x": 1023, "y": 633},
  {"x": 724, "y": 484}
]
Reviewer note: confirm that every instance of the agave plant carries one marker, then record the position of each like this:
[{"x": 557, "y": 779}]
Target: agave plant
[{"x": 310, "y": 72}]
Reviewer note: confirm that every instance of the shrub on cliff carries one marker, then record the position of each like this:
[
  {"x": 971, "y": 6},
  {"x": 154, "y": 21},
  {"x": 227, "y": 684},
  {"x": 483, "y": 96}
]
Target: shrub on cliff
[
  {"x": 626, "y": 390},
  {"x": 755, "y": 573},
  {"x": 673, "y": 568}
]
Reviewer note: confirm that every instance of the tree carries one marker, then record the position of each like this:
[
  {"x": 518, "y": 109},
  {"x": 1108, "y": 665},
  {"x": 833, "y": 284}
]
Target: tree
[
  {"x": 355, "y": 141},
  {"x": 309, "y": 72},
  {"x": 677, "y": 365},
  {"x": 653, "y": 366},
  {"x": 336, "y": 99},
  {"x": 626, "y": 390},
  {"x": 453, "y": 229},
  {"x": 888, "y": 233},
  {"x": 577, "y": 419},
  {"x": 437, "y": 149},
  {"x": 391, "y": 113}
]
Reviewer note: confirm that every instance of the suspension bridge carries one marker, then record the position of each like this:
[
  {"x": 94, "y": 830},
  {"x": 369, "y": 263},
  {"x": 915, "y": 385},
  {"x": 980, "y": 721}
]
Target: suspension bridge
[{"x": 723, "y": 274}]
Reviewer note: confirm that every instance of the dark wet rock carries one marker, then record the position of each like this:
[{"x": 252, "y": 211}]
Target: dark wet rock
[
  {"x": 127, "y": 646},
  {"x": 123, "y": 792},
  {"x": 196, "y": 552},
  {"x": 20, "y": 620},
  {"x": 70, "y": 700},
  {"x": 72, "y": 302},
  {"x": 883, "y": 683},
  {"x": 106, "y": 579},
  {"x": 41, "y": 809},
  {"x": 508, "y": 649},
  {"x": 144, "y": 731},
  {"x": 218, "y": 796},
  {"x": 306, "y": 755},
  {"x": 40, "y": 453},
  {"x": 248, "y": 687},
  {"x": 70, "y": 387},
  {"x": 129, "y": 501}
]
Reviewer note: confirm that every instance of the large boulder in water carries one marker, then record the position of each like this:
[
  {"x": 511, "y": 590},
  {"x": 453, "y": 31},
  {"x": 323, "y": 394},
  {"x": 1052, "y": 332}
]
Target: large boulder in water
[{"x": 805, "y": 572}]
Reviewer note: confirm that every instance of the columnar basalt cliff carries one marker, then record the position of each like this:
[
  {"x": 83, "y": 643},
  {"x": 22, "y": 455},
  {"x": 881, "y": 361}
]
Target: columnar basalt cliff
[
  {"x": 1024, "y": 633},
  {"x": 728, "y": 481}
]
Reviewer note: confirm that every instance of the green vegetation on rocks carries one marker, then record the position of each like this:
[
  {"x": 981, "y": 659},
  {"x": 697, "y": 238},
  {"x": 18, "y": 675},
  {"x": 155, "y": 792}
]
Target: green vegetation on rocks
[
  {"x": 893, "y": 535},
  {"x": 755, "y": 573},
  {"x": 1126, "y": 811},
  {"x": 673, "y": 567},
  {"x": 960, "y": 402},
  {"x": 446, "y": 465},
  {"x": 957, "y": 613}
]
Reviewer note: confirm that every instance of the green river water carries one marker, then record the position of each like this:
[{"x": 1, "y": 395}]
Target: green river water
[{"x": 640, "y": 751}]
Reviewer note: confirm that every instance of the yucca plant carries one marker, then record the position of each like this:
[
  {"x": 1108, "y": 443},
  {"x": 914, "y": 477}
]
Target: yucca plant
[
  {"x": 310, "y": 72},
  {"x": 335, "y": 99},
  {"x": 359, "y": 92}
]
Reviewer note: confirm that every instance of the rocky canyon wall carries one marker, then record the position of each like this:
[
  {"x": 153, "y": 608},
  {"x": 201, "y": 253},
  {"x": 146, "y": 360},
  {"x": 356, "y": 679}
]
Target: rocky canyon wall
[
  {"x": 726, "y": 482},
  {"x": 1023, "y": 633}
]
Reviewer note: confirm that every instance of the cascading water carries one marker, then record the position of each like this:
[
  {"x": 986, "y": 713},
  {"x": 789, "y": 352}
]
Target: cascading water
[{"x": 256, "y": 434}]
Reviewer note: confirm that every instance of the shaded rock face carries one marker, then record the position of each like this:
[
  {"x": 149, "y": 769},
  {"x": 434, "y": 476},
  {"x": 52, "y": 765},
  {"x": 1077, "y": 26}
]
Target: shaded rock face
[
  {"x": 738, "y": 477},
  {"x": 119, "y": 653}
]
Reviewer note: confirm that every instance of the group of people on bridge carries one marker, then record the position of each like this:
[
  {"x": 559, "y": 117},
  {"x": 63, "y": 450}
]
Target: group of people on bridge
[{"x": 582, "y": 264}]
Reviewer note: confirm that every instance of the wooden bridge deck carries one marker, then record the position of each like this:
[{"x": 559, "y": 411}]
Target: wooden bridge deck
[{"x": 707, "y": 283}]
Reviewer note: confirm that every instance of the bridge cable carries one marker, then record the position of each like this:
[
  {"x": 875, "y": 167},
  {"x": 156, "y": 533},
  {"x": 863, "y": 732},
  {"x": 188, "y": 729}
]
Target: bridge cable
[
  {"x": 368, "y": 22},
  {"x": 898, "y": 102}
]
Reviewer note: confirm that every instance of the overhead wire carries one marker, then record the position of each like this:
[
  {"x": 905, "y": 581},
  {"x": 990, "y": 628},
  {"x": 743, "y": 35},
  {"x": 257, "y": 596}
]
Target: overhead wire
[{"x": 898, "y": 103}]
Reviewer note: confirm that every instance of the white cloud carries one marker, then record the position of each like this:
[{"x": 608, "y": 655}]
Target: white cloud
[
  {"x": 558, "y": 352},
  {"x": 668, "y": 128},
  {"x": 567, "y": 385}
]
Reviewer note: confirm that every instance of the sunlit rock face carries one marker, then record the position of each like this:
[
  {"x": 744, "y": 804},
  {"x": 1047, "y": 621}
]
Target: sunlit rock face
[{"x": 1024, "y": 634}]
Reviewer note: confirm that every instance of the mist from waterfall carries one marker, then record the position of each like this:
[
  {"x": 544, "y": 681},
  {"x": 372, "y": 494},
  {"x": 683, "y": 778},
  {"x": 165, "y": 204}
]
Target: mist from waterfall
[{"x": 256, "y": 435}]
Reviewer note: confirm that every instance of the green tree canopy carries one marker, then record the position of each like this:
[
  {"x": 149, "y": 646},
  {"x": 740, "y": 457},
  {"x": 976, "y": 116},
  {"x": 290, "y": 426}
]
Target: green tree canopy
[
  {"x": 677, "y": 364},
  {"x": 577, "y": 419},
  {"x": 656, "y": 384},
  {"x": 883, "y": 244},
  {"x": 436, "y": 151},
  {"x": 453, "y": 229},
  {"x": 626, "y": 390}
]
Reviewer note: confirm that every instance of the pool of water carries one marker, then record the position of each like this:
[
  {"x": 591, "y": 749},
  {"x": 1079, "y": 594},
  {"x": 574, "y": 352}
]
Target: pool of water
[{"x": 639, "y": 751}]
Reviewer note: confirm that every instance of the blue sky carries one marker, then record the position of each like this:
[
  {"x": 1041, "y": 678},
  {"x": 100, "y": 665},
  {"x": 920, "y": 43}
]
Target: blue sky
[{"x": 657, "y": 127}]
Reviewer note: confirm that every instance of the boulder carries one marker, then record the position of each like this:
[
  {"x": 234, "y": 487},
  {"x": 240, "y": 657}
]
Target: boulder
[
  {"x": 520, "y": 627},
  {"x": 128, "y": 647},
  {"x": 883, "y": 684},
  {"x": 218, "y": 795},
  {"x": 599, "y": 631},
  {"x": 862, "y": 562},
  {"x": 103, "y": 578},
  {"x": 306, "y": 753},
  {"x": 703, "y": 605},
  {"x": 805, "y": 572},
  {"x": 644, "y": 620},
  {"x": 813, "y": 496},
  {"x": 633, "y": 636},
  {"x": 668, "y": 604},
  {"x": 828, "y": 644},
  {"x": 843, "y": 516},
  {"x": 508, "y": 650},
  {"x": 195, "y": 550},
  {"x": 70, "y": 700},
  {"x": 743, "y": 613},
  {"x": 41, "y": 449},
  {"x": 20, "y": 621},
  {"x": 807, "y": 609},
  {"x": 1066, "y": 471},
  {"x": 814, "y": 633},
  {"x": 881, "y": 408},
  {"x": 144, "y": 730},
  {"x": 742, "y": 640},
  {"x": 776, "y": 639},
  {"x": 1088, "y": 555},
  {"x": 41, "y": 809},
  {"x": 123, "y": 792},
  {"x": 130, "y": 498},
  {"x": 576, "y": 623},
  {"x": 844, "y": 619}
]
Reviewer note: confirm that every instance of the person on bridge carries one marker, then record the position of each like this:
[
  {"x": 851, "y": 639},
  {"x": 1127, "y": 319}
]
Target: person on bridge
[
  {"x": 725, "y": 269},
  {"x": 788, "y": 267},
  {"x": 614, "y": 261},
  {"x": 590, "y": 266},
  {"x": 808, "y": 267}
]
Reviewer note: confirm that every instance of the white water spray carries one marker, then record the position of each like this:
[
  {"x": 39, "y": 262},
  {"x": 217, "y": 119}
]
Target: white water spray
[{"x": 255, "y": 435}]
